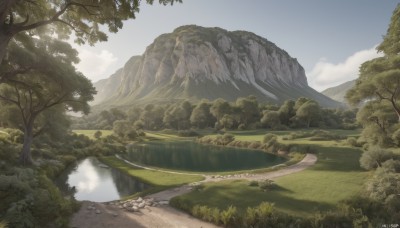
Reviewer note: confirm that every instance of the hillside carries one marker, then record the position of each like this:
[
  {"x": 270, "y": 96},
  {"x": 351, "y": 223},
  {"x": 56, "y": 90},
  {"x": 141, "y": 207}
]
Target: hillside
[{"x": 338, "y": 93}]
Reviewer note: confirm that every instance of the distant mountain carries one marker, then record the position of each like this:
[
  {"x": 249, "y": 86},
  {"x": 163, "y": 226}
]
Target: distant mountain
[
  {"x": 338, "y": 93},
  {"x": 194, "y": 62}
]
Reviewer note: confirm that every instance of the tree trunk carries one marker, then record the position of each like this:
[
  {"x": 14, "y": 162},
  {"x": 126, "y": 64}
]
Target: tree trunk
[
  {"x": 25, "y": 157},
  {"x": 4, "y": 40}
]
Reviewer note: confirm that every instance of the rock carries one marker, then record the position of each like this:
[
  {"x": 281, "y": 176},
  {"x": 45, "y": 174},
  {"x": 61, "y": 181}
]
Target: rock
[
  {"x": 114, "y": 214},
  {"x": 139, "y": 200},
  {"x": 148, "y": 203},
  {"x": 141, "y": 205},
  {"x": 163, "y": 202},
  {"x": 135, "y": 209},
  {"x": 98, "y": 212}
]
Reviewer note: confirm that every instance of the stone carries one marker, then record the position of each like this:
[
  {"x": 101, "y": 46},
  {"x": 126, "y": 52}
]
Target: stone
[
  {"x": 141, "y": 205},
  {"x": 135, "y": 209},
  {"x": 114, "y": 214},
  {"x": 139, "y": 200},
  {"x": 98, "y": 212}
]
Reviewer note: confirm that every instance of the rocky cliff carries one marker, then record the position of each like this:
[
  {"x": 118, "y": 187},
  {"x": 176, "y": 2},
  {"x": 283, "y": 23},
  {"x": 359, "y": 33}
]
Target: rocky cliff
[{"x": 194, "y": 62}]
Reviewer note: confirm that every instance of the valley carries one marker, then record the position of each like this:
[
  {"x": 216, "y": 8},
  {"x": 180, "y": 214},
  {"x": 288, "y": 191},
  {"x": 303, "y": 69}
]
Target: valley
[{"x": 199, "y": 114}]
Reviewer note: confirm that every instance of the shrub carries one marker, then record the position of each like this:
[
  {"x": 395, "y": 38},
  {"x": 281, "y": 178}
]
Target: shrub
[
  {"x": 187, "y": 133},
  {"x": 253, "y": 183},
  {"x": 98, "y": 134},
  {"x": 229, "y": 217},
  {"x": 267, "y": 185},
  {"x": 352, "y": 141},
  {"x": 374, "y": 157}
]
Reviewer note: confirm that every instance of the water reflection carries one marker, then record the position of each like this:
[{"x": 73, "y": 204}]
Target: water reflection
[
  {"x": 90, "y": 180},
  {"x": 192, "y": 156}
]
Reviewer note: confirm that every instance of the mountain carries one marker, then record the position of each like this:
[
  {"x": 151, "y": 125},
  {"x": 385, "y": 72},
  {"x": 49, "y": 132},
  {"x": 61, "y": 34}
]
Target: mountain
[
  {"x": 337, "y": 93},
  {"x": 194, "y": 62}
]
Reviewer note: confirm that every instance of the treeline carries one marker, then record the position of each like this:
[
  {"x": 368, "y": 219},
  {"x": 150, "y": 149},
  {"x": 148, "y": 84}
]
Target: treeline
[{"x": 244, "y": 113}]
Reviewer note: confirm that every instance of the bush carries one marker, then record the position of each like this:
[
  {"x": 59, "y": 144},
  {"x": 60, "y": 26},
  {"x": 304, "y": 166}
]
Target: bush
[
  {"x": 253, "y": 183},
  {"x": 267, "y": 185},
  {"x": 187, "y": 133},
  {"x": 352, "y": 141},
  {"x": 229, "y": 217},
  {"x": 374, "y": 157}
]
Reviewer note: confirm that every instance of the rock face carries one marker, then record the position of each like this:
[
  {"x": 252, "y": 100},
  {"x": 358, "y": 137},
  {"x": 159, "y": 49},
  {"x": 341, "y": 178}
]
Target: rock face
[{"x": 194, "y": 62}]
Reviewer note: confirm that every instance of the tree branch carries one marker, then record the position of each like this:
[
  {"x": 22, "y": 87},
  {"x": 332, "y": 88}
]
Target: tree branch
[{"x": 56, "y": 16}]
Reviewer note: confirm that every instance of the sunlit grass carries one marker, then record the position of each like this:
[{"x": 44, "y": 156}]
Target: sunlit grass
[
  {"x": 90, "y": 133},
  {"x": 155, "y": 178},
  {"x": 335, "y": 177}
]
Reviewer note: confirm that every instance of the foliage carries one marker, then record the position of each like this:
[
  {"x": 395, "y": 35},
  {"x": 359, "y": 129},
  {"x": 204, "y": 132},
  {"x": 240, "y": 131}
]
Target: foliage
[
  {"x": 377, "y": 87},
  {"x": 29, "y": 199},
  {"x": 45, "y": 89},
  {"x": 374, "y": 157},
  {"x": 85, "y": 18}
]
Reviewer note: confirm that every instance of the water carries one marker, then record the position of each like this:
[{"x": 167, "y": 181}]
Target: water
[
  {"x": 94, "y": 182},
  {"x": 192, "y": 156}
]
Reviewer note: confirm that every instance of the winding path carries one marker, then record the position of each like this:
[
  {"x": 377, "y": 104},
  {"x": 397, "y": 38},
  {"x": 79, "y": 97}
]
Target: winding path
[{"x": 164, "y": 216}]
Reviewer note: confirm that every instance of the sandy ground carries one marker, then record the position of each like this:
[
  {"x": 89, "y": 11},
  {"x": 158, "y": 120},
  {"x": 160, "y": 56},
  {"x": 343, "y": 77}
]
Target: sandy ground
[{"x": 164, "y": 216}]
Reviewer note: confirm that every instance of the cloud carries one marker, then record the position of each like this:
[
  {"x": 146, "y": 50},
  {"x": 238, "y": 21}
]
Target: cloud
[
  {"x": 325, "y": 74},
  {"x": 95, "y": 65}
]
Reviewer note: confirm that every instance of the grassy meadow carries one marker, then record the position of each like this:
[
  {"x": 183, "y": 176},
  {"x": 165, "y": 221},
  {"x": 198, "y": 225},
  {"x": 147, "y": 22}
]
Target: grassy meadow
[
  {"x": 90, "y": 133},
  {"x": 335, "y": 177}
]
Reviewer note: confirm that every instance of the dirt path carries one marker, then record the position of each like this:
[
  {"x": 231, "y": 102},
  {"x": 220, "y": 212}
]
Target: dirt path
[{"x": 111, "y": 215}]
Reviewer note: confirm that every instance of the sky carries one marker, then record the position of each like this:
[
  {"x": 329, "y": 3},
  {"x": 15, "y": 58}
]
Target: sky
[{"x": 330, "y": 39}]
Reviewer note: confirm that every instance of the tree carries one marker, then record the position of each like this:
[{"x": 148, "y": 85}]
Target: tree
[
  {"x": 377, "y": 119},
  {"x": 98, "y": 134},
  {"x": 379, "y": 78},
  {"x": 271, "y": 119},
  {"x": 201, "y": 116},
  {"x": 121, "y": 128},
  {"x": 219, "y": 108},
  {"x": 374, "y": 157},
  {"x": 308, "y": 111},
  {"x": 83, "y": 17},
  {"x": 286, "y": 112},
  {"x": 249, "y": 109},
  {"x": 40, "y": 89}
]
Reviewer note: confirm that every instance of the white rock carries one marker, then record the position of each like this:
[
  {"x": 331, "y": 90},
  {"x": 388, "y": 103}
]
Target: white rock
[
  {"x": 98, "y": 212},
  {"x": 141, "y": 205}
]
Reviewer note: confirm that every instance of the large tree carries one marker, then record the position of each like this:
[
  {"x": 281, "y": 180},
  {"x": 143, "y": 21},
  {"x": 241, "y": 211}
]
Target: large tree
[
  {"x": 380, "y": 78},
  {"x": 83, "y": 17},
  {"x": 55, "y": 84}
]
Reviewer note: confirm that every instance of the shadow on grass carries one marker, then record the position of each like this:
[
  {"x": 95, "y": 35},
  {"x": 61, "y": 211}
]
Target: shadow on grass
[
  {"x": 242, "y": 197},
  {"x": 343, "y": 159}
]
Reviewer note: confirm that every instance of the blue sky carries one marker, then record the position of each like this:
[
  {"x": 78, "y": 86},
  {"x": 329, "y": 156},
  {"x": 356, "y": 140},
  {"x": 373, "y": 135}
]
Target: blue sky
[{"x": 330, "y": 39}]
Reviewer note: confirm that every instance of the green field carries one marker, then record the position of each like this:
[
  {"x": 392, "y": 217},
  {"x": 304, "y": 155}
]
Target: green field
[
  {"x": 335, "y": 177},
  {"x": 90, "y": 133},
  {"x": 159, "y": 180}
]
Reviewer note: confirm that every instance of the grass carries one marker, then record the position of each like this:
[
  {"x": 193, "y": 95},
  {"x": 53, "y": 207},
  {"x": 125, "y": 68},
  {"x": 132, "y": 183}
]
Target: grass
[
  {"x": 159, "y": 180},
  {"x": 258, "y": 135},
  {"x": 335, "y": 177},
  {"x": 90, "y": 133}
]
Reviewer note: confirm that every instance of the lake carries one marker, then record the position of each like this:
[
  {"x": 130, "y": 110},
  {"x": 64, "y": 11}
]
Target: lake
[
  {"x": 96, "y": 182},
  {"x": 192, "y": 156}
]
